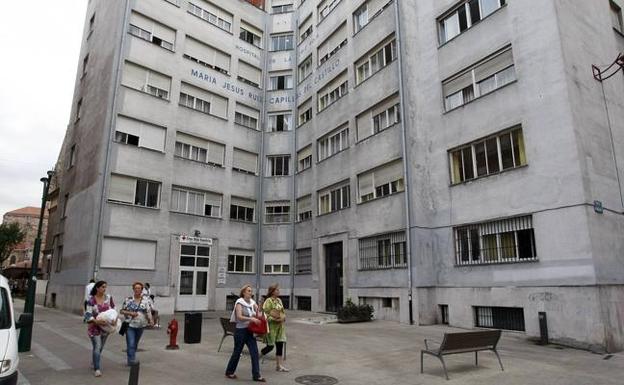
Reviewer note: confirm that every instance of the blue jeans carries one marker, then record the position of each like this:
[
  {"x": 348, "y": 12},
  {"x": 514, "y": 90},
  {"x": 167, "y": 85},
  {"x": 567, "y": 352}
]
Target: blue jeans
[
  {"x": 244, "y": 337},
  {"x": 133, "y": 335},
  {"x": 98, "y": 345}
]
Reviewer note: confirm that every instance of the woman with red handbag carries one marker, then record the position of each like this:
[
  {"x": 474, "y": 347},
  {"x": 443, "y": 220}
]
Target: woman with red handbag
[{"x": 245, "y": 313}]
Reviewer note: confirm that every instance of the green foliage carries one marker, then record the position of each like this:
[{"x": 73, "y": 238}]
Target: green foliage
[
  {"x": 10, "y": 235},
  {"x": 352, "y": 312}
]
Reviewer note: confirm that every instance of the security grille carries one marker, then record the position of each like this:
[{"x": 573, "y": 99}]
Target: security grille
[
  {"x": 508, "y": 318},
  {"x": 304, "y": 303},
  {"x": 384, "y": 251}
]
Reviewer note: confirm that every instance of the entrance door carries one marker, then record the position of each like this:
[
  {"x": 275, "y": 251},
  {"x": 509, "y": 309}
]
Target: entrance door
[
  {"x": 193, "y": 278},
  {"x": 333, "y": 276}
]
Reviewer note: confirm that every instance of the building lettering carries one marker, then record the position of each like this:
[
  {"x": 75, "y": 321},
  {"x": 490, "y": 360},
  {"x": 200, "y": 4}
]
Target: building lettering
[{"x": 226, "y": 85}]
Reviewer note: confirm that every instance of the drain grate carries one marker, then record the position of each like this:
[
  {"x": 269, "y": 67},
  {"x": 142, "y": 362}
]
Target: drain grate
[{"x": 315, "y": 379}]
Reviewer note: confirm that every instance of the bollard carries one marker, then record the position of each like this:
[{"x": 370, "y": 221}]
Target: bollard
[
  {"x": 543, "y": 325},
  {"x": 134, "y": 374},
  {"x": 172, "y": 330}
]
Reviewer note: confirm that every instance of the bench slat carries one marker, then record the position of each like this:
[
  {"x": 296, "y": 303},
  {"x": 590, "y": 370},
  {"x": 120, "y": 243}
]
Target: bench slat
[{"x": 470, "y": 340}]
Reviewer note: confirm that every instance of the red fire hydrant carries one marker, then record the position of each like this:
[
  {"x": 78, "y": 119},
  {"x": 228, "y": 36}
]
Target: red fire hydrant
[{"x": 172, "y": 330}]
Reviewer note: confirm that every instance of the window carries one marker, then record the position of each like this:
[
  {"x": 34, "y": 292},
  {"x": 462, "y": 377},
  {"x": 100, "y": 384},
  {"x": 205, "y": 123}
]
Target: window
[
  {"x": 332, "y": 44},
  {"x": 280, "y": 82},
  {"x": 278, "y": 165},
  {"x": 196, "y": 202},
  {"x": 305, "y": 69},
  {"x": 72, "y": 157},
  {"x": 65, "y": 204},
  {"x": 78, "y": 109},
  {"x": 325, "y": 7},
  {"x": 334, "y": 198},
  {"x": 380, "y": 182},
  {"x": 507, "y": 240},
  {"x": 333, "y": 143},
  {"x": 304, "y": 158},
  {"x": 616, "y": 17},
  {"x": 91, "y": 25},
  {"x": 201, "y": 100},
  {"x": 488, "y": 156},
  {"x": 507, "y": 318},
  {"x": 386, "y": 251},
  {"x": 138, "y": 192},
  {"x": 242, "y": 209},
  {"x": 305, "y": 112},
  {"x": 484, "y": 77},
  {"x": 246, "y": 116},
  {"x": 146, "y": 80},
  {"x": 468, "y": 13},
  {"x": 360, "y": 18},
  {"x": 333, "y": 91},
  {"x": 305, "y": 28},
  {"x": 281, "y": 42},
  {"x": 304, "y": 208},
  {"x": 206, "y": 55},
  {"x": 151, "y": 31},
  {"x": 282, "y": 8},
  {"x": 59, "y": 258},
  {"x": 240, "y": 261},
  {"x": 136, "y": 132},
  {"x": 444, "y": 314},
  {"x": 380, "y": 117},
  {"x": 250, "y": 34},
  {"x": 304, "y": 303},
  {"x": 280, "y": 122},
  {"x": 85, "y": 62},
  {"x": 303, "y": 261},
  {"x": 249, "y": 74},
  {"x": 277, "y": 212},
  {"x": 199, "y": 149},
  {"x": 212, "y": 14},
  {"x": 174, "y": 2},
  {"x": 245, "y": 161},
  {"x": 276, "y": 262},
  {"x": 371, "y": 63}
]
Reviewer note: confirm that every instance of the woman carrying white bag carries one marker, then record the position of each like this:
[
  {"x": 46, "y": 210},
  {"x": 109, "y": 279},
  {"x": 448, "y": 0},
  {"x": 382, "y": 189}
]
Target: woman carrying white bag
[{"x": 99, "y": 303}]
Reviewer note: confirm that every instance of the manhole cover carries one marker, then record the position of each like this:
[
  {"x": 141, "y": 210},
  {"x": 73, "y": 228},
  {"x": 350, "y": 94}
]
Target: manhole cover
[{"x": 315, "y": 379}]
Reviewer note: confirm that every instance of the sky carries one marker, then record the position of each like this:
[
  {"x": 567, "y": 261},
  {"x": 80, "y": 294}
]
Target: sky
[{"x": 40, "y": 54}]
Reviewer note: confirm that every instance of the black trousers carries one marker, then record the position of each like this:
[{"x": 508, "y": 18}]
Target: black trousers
[{"x": 279, "y": 352}]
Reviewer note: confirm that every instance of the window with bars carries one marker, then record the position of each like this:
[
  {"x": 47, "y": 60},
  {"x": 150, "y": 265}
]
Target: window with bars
[
  {"x": 196, "y": 202},
  {"x": 277, "y": 212},
  {"x": 500, "y": 152},
  {"x": 303, "y": 261},
  {"x": 242, "y": 209},
  {"x": 214, "y": 15},
  {"x": 304, "y": 208},
  {"x": 279, "y": 122},
  {"x": 507, "y": 318},
  {"x": 282, "y": 42},
  {"x": 240, "y": 261},
  {"x": 334, "y": 199},
  {"x": 278, "y": 165},
  {"x": 386, "y": 251},
  {"x": 333, "y": 143},
  {"x": 381, "y": 181},
  {"x": 503, "y": 241},
  {"x": 151, "y": 31},
  {"x": 375, "y": 61},
  {"x": 482, "y": 78},
  {"x": 464, "y": 16}
]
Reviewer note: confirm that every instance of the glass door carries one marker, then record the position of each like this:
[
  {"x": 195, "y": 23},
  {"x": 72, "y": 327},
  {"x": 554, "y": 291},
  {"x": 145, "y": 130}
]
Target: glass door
[{"x": 194, "y": 265}]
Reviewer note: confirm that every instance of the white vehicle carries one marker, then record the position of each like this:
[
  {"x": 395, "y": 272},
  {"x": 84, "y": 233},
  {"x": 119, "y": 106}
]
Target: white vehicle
[{"x": 8, "y": 335}]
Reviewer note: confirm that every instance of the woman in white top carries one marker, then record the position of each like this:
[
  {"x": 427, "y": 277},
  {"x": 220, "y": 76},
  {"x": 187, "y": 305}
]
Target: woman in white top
[
  {"x": 137, "y": 311},
  {"x": 244, "y": 312}
]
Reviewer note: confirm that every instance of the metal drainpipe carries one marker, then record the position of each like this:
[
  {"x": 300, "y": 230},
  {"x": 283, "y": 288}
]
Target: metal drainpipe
[
  {"x": 106, "y": 177},
  {"x": 408, "y": 247},
  {"x": 260, "y": 185},
  {"x": 293, "y": 247}
]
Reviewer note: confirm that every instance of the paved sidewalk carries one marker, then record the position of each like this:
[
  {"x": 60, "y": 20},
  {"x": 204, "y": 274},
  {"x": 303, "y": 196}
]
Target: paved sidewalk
[{"x": 379, "y": 352}]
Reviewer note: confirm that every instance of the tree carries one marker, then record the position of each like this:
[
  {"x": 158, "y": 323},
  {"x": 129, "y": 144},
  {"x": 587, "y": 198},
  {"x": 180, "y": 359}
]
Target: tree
[{"x": 10, "y": 235}]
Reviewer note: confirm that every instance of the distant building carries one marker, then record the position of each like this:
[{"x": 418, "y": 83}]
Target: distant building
[
  {"x": 28, "y": 220},
  {"x": 436, "y": 159}
]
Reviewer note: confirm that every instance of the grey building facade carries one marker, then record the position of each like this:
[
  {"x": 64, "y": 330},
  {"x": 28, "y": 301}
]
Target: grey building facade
[{"x": 443, "y": 161}]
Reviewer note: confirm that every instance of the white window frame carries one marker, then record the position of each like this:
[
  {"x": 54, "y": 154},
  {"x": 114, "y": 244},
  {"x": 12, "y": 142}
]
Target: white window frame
[
  {"x": 272, "y": 165},
  {"x": 332, "y": 143},
  {"x": 248, "y": 261},
  {"x": 274, "y": 119},
  {"x": 245, "y": 120},
  {"x": 333, "y": 199},
  {"x": 188, "y": 193},
  {"x": 360, "y": 18},
  {"x": 451, "y": 18},
  {"x": 282, "y": 42},
  {"x": 277, "y": 212},
  {"x": 149, "y": 36},
  {"x": 210, "y": 17},
  {"x": 255, "y": 39},
  {"x": 376, "y": 61}
]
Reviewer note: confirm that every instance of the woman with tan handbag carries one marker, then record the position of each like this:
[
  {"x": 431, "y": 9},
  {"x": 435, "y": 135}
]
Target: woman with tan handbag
[{"x": 274, "y": 309}]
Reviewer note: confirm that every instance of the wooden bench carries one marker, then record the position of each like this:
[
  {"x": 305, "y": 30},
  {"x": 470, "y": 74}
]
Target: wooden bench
[{"x": 465, "y": 342}]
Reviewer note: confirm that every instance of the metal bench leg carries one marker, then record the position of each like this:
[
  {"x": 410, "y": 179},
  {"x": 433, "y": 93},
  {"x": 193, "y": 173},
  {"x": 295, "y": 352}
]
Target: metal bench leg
[
  {"x": 222, "y": 338},
  {"x": 499, "y": 360},
  {"x": 476, "y": 358},
  {"x": 422, "y": 355},
  {"x": 444, "y": 367}
]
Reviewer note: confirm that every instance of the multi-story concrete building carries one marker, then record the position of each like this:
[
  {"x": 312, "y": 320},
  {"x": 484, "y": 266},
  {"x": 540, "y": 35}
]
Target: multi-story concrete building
[{"x": 444, "y": 161}]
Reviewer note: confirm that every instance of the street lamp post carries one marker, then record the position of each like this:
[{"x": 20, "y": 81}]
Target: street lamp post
[{"x": 25, "y": 336}]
